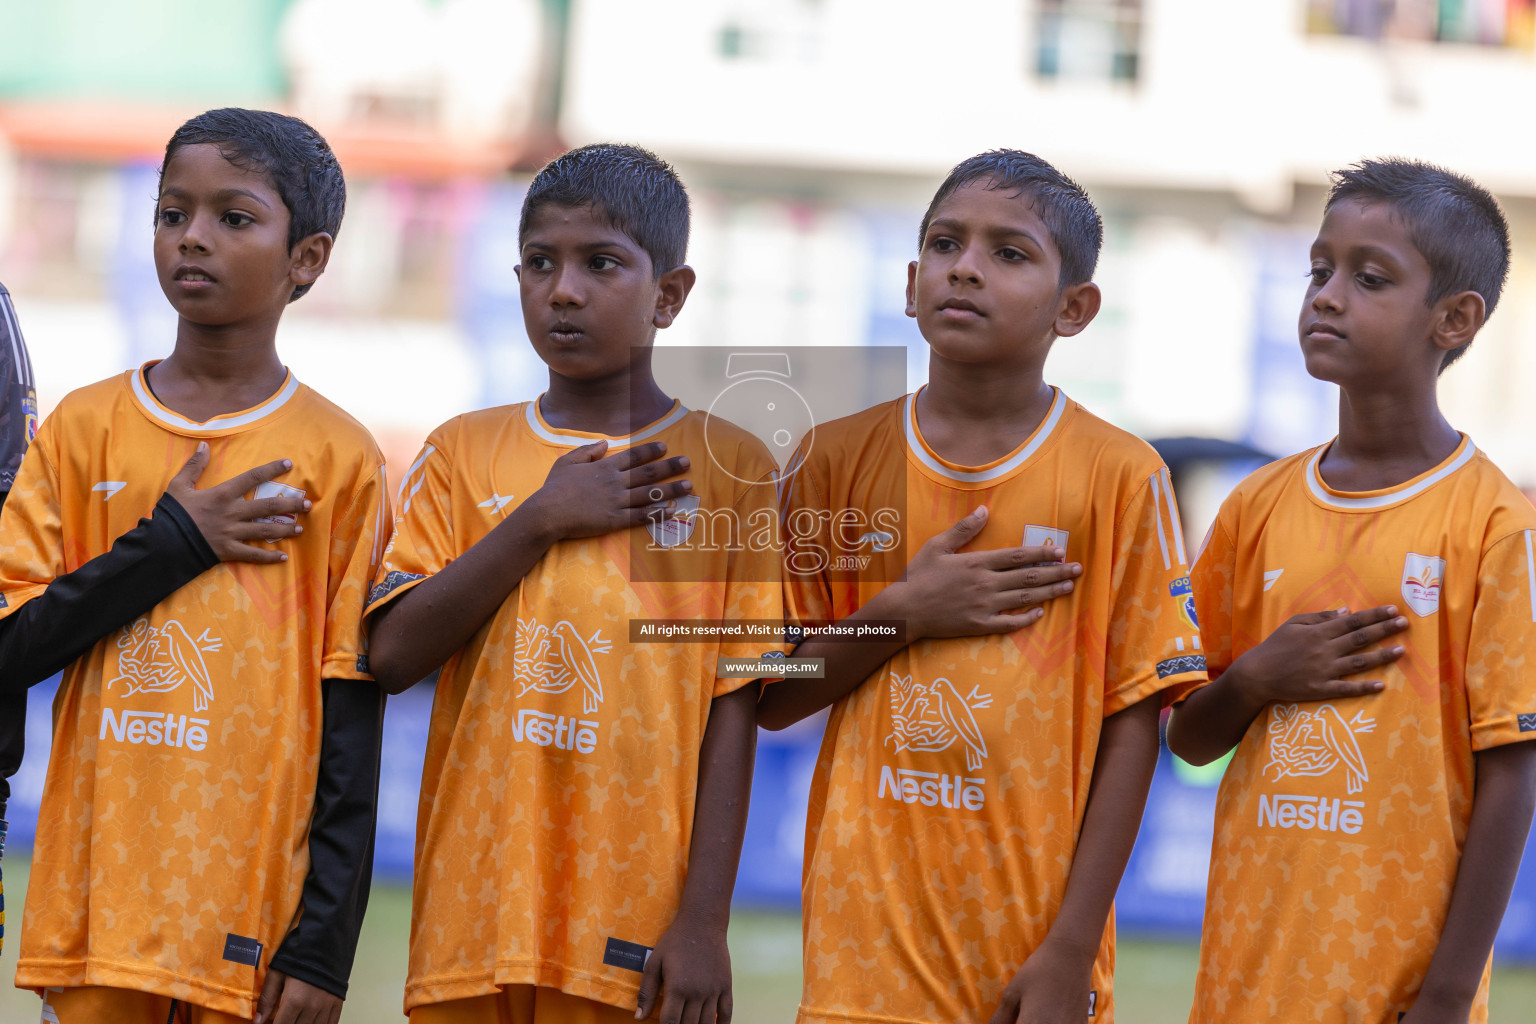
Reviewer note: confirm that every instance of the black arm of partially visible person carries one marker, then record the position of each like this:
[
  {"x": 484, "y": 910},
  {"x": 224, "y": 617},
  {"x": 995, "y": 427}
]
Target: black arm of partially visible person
[
  {"x": 320, "y": 948},
  {"x": 144, "y": 566}
]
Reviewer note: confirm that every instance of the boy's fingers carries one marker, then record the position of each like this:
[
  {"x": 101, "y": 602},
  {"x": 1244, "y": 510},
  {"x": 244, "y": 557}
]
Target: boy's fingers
[
  {"x": 190, "y": 473},
  {"x": 1364, "y": 661},
  {"x": 958, "y": 535},
  {"x": 723, "y": 1008},
  {"x": 270, "y": 990},
  {"x": 709, "y": 1011},
  {"x": 650, "y": 978},
  {"x": 1368, "y": 635},
  {"x": 1336, "y": 688},
  {"x": 247, "y": 553},
  {"x": 1010, "y": 623},
  {"x": 655, "y": 494},
  {"x": 586, "y": 453},
  {"x": 252, "y": 530},
  {"x": 275, "y": 507},
  {"x": 670, "y": 1012},
  {"x": 650, "y": 472},
  {"x": 1343, "y": 624},
  {"x": 640, "y": 455},
  {"x": 247, "y": 481},
  {"x": 1312, "y": 618},
  {"x": 1035, "y": 576},
  {"x": 1030, "y": 596}
]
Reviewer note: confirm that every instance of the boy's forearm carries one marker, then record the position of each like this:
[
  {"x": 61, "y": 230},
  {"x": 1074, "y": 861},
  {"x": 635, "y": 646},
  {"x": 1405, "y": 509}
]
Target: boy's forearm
[
  {"x": 848, "y": 663},
  {"x": 1490, "y": 860},
  {"x": 422, "y": 628},
  {"x": 1212, "y": 720},
  {"x": 726, "y": 757},
  {"x": 1122, "y": 775},
  {"x": 143, "y": 567}
]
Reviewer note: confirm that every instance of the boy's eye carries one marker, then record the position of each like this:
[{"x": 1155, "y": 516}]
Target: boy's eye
[
  {"x": 1318, "y": 275},
  {"x": 942, "y": 244},
  {"x": 539, "y": 262},
  {"x": 238, "y": 220},
  {"x": 1370, "y": 280},
  {"x": 169, "y": 216},
  {"x": 603, "y": 263},
  {"x": 1011, "y": 254}
]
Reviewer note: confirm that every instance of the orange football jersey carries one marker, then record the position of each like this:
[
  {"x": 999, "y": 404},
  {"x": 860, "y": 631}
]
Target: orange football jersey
[
  {"x": 171, "y": 838},
  {"x": 1339, "y": 825},
  {"x": 562, "y": 759},
  {"x": 951, "y": 784}
]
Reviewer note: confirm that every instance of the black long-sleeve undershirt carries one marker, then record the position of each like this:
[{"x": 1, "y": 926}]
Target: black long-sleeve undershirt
[{"x": 144, "y": 566}]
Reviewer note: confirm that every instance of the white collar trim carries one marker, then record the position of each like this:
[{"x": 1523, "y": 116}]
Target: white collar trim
[
  {"x": 1322, "y": 494},
  {"x": 577, "y": 440},
  {"x": 1042, "y": 433},
  {"x": 218, "y": 423}
]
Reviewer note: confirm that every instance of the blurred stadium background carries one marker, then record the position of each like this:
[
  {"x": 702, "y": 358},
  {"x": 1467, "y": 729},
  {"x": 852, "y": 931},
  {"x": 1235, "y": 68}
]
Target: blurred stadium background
[{"x": 811, "y": 134}]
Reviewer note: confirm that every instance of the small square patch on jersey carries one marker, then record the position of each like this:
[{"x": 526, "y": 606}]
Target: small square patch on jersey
[
  {"x": 1093, "y": 1003},
  {"x": 3, "y": 602},
  {"x": 362, "y": 663},
  {"x": 1527, "y": 722},
  {"x": 240, "y": 949},
  {"x": 629, "y": 955}
]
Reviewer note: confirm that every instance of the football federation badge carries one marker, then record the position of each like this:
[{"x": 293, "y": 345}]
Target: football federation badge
[
  {"x": 1184, "y": 595},
  {"x": 1041, "y": 536},
  {"x": 273, "y": 489},
  {"x": 1421, "y": 583},
  {"x": 681, "y": 516}
]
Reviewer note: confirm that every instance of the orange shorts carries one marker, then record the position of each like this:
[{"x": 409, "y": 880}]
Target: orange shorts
[
  {"x": 522, "y": 1004},
  {"x": 123, "y": 1006}
]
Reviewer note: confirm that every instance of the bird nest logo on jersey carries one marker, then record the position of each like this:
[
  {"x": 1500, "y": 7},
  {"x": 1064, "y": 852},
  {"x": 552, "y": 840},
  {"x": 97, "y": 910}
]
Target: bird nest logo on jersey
[
  {"x": 1316, "y": 742},
  {"x": 554, "y": 660},
  {"x": 932, "y": 717},
  {"x": 1421, "y": 583},
  {"x": 151, "y": 660},
  {"x": 1184, "y": 595},
  {"x": 674, "y": 521}
]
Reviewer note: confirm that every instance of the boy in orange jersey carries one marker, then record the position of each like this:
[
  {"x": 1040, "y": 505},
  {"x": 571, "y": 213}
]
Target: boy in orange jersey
[
  {"x": 1369, "y": 611},
  {"x": 569, "y": 770},
  {"x": 982, "y": 777},
  {"x": 206, "y": 828}
]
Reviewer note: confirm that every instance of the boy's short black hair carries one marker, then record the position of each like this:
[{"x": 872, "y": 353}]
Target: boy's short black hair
[
  {"x": 1454, "y": 223},
  {"x": 1069, "y": 215},
  {"x": 637, "y": 191},
  {"x": 295, "y": 156}
]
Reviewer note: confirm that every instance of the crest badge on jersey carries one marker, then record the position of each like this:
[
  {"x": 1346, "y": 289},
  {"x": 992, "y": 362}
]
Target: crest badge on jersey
[
  {"x": 1040, "y": 536},
  {"x": 682, "y": 515},
  {"x": 1184, "y": 595},
  {"x": 1421, "y": 583}
]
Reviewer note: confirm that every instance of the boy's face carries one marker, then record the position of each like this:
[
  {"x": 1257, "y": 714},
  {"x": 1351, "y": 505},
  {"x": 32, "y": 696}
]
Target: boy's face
[
  {"x": 221, "y": 242},
  {"x": 1364, "y": 319},
  {"x": 590, "y": 299},
  {"x": 986, "y": 285}
]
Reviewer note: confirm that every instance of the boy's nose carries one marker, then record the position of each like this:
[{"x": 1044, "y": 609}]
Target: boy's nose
[{"x": 564, "y": 291}]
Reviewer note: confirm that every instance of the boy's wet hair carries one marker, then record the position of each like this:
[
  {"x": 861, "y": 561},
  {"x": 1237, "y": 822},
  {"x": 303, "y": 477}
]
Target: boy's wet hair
[
  {"x": 1064, "y": 206},
  {"x": 293, "y": 155},
  {"x": 638, "y": 192},
  {"x": 1454, "y": 223}
]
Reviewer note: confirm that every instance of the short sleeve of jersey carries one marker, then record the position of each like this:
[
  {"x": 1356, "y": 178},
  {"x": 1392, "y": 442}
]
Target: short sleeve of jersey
[
  {"x": 31, "y": 530},
  {"x": 1211, "y": 579},
  {"x": 1152, "y": 634},
  {"x": 807, "y": 590},
  {"x": 1501, "y": 652},
  {"x": 357, "y": 547},
  {"x": 422, "y": 543},
  {"x": 753, "y": 586}
]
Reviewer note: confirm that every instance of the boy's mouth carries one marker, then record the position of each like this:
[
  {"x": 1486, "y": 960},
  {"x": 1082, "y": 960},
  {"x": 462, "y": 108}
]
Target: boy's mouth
[
  {"x": 960, "y": 309},
  {"x": 565, "y": 332},
  {"x": 1320, "y": 331},
  {"x": 193, "y": 275}
]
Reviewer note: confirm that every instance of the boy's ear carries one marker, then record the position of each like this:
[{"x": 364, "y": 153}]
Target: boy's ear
[
  {"x": 671, "y": 292},
  {"x": 1079, "y": 305},
  {"x": 912, "y": 289},
  {"x": 1457, "y": 320},
  {"x": 309, "y": 257}
]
